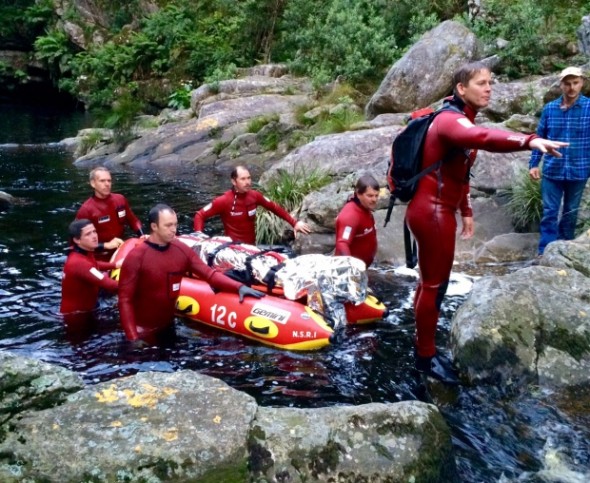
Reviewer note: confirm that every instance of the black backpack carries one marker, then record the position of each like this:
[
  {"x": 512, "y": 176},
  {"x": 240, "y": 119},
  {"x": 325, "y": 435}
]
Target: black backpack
[{"x": 405, "y": 166}]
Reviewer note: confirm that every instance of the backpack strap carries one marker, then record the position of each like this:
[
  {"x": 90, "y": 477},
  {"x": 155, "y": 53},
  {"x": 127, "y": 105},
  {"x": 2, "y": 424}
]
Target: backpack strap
[{"x": 410, "y": 247}]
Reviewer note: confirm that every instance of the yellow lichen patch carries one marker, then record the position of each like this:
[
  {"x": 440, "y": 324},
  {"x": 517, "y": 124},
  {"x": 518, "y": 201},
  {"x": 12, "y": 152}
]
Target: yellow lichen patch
[
  {"x": 149, "y": 398},
  {"x": 55, "y": 426},
  {"x": 207, "y": 124},
  {"x": 143, "y": 400},
  {"x": 217, "y": 419},
  {"x": 561, "y": 273},
  {"x": 116, "y": 424},
  {"x": 168, "y": 391},
  {"x": 108, "y": 395},
  {"x": 137, "y": 449},
  {"x": 582, "y": 313},
  {"x": 171, "y": 434},
  {"x": 144, "y": 419}
]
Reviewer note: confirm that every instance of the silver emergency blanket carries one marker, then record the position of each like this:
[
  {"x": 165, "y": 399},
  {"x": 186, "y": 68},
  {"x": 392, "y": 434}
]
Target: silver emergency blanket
[
  {"x": 345, "y": 278},
  {"x": 226, "y": 255},
  {"x": 327, "y": 282}
]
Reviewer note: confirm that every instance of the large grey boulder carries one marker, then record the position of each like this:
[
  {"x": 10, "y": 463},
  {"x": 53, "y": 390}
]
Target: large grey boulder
[
  {"x": 583, "y": 34},
  {"x": 31, "y": 384},
  {"x": 248, "y": 86},
  {"x": 424, "y": 74},
  {"x": 407, "y": 441},
  {"x": 531, "y": 326},
  {"x": 340, "y": 154},
  {"x": 189, "y": 427},
  {"x": 149, "y": 427}
]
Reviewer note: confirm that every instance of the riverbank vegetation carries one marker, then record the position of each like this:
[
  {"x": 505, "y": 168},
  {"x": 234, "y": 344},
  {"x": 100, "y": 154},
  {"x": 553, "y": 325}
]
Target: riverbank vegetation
[{"x": 153, "y": 54}]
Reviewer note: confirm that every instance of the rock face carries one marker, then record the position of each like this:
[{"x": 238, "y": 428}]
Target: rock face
[
  {"x": 423, "y": 75},
  {"x": 176, "y": 427},
  {"x": 190, "y": 427},
  {"x": 30, "y": 384},
  {"x": 407, "y": 441},
  {"x": 532, "y": 325}
]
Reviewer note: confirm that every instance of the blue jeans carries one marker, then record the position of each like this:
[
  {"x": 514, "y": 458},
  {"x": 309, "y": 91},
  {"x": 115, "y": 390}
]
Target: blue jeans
[{"x": 552, "y": 227}]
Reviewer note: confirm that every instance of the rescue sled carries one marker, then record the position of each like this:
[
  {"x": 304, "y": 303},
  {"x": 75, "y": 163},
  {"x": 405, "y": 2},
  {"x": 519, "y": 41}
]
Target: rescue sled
[{"x": 273, "y": 320}]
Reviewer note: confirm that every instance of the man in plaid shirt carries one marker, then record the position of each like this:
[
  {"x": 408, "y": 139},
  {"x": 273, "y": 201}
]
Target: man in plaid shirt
[{"x": 565, "y": 119}]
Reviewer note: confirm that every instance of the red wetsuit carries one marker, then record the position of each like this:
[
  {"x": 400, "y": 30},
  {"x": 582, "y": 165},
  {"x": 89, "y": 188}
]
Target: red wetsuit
[
  {"x": 80, "y": 284},
  {"x": 238, "y": 214},
  {"x": 356, "y": 234},
  {"x": 150, "y": 281},
  {"x": 109, "y": 216},
  {"x": 431, "y": 212}
]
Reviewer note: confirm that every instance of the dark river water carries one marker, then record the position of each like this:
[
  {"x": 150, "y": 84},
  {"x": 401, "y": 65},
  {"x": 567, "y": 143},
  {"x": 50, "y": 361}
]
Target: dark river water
[{"x": 532, "y": 436}]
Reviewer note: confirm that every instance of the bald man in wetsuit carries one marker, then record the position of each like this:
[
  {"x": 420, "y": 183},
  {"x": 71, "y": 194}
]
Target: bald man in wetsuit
[{"x": 150, "y": 278}]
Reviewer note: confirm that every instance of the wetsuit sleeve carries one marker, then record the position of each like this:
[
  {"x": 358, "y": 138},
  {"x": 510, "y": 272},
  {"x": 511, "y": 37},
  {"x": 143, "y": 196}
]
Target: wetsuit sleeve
[
  {"x": 127, "y": 288},
  {"x": 214, "y": 208},
  {"x": 542, "y": 131},
  {"x": 104, "y": 266},
  {"x": 345, "y": 232},
  {"x": 132, "y": 219},
  {"x": 465, "y": 207},
  {"x": 458, "y": 131},
  {"x": 275, "y": 208},
  {"x": 213, "y": 277},
  {"x": 87, "y": 272}
]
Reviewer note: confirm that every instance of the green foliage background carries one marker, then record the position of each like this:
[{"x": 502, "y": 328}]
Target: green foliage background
[{"x": 198, "y": 40}]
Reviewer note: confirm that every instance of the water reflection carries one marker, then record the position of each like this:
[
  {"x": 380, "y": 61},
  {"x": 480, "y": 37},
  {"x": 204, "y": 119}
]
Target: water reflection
[{"x": 498, "y": 435}]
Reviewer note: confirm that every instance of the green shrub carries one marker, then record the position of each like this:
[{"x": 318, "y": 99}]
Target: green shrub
[
  {"x": 524, "y": 201},
  {"x": 257, "y": 123},
  {"x": 181, "y": 97},
  {"x": 121, "y": 118},
  {"x": 288, "y": 190}
]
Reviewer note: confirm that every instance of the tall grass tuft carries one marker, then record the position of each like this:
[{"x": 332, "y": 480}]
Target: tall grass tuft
[
  {"x": 524, "y": 201},
  {"x": 288, "y": 190}
]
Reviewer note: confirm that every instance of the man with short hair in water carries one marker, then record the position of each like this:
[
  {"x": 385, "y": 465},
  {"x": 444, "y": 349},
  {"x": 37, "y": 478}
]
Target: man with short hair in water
[
  {"x": 444, "y": 192},
  {"x": 109, "y": 212},
  {"x": 356, "y": 234},
  {"x": 150, "y": 278},
  {"x": 237, "y": 208},
  {"x": 83, "y": 276}
]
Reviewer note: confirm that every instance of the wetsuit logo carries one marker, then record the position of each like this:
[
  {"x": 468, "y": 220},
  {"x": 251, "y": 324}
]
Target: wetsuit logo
[{"x": 104, "y": 219}]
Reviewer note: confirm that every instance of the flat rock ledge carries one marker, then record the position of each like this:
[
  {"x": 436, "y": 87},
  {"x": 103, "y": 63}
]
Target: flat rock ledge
[{"x": 184, "y": 426}]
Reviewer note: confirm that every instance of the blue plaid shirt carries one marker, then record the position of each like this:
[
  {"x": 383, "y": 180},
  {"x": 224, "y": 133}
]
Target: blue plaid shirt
[{"x": 572, "y": 126}]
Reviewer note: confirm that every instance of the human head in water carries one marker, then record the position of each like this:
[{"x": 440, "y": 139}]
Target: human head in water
[
  {"x": 163, "y": 224},
  {"x": 241, "y": 179},
  {"x": 472, "y": 83},
  {"x": 367, "y": 191},
  {"x": 83, "y": 234},
  {"x": 101, "y": 181}
]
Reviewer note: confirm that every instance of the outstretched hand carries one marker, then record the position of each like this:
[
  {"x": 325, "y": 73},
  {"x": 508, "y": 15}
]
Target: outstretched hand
[
  {"x": 547, "y": 146},
  {"x": 250, "y": 292}
]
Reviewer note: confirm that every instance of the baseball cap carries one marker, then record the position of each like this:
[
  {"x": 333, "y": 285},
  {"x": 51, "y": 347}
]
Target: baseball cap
[{"x": 575, "y": 71}]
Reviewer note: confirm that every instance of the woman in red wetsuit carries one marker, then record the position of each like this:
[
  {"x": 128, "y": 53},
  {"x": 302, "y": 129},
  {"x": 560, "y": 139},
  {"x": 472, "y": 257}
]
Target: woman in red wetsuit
[{"x": 443, "y": 192}]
